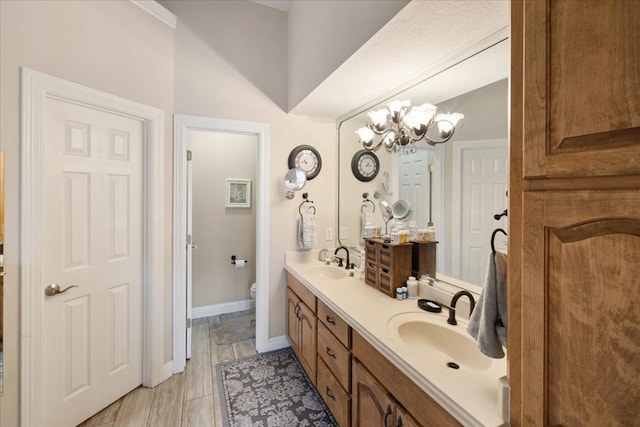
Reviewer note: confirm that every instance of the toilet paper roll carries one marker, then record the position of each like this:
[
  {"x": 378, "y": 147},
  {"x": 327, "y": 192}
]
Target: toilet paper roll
[{"x": 240, "y": 263}]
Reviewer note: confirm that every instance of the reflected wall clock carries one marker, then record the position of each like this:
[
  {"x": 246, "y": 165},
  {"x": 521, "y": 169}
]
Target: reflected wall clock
[
  {"x": 306, "y": 158},
  {"x": 365, "y": 165}
]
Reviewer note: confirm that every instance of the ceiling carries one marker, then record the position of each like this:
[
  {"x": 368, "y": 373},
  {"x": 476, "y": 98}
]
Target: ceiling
[
  {"x": 276, "y": 4},
  {"x": 423, "y": 39}
]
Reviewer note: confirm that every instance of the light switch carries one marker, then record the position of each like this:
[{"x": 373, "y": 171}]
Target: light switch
[{"x": 343, "y": 232}]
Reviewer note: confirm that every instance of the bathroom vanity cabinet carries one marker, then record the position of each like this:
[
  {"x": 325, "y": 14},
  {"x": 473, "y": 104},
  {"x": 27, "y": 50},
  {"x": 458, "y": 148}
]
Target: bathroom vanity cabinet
[
  {"x": 387, "y": 265},
  {"x": 574, "y": 213},
  {"x": 302, "y": 325},
  {"x": 360, "y": 386}
]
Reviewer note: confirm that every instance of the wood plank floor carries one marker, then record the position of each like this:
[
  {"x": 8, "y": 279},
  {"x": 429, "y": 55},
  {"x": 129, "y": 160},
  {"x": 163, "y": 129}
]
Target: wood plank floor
[{"x": 188, "y": 399}]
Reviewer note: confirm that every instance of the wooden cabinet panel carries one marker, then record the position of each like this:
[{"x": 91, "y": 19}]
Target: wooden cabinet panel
[
  {"x": 293, "y": 323},
  {"x": 403, "y": 419},
  {"x": 302, "y": 292},
  {"x": 372, "y": 406},
  {"x": 301, "y": 331},
  {"x": 582, "y": 293},
  {"x": 425, "y": 410},
  {"x": 582, "y": 86},
  {"x": 335, "y": 355},
  {"x": 307, "y": 344},
  {"x": 334, "y": 396},
  {"x": 335, "y": 324}
]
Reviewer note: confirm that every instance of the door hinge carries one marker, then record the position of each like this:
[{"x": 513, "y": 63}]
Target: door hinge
[
  {"x": 189, "y": 239},
  {"x": 188, "y": 323},
  {"x": 189, "y": 155}
]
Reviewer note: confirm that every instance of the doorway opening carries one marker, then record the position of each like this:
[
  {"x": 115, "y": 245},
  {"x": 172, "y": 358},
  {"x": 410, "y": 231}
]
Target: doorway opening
[{"x": 188, "y": 129}]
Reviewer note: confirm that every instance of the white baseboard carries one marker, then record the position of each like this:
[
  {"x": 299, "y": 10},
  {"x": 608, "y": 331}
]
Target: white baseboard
[
  {"x": 276, "y": 343},
  {"x": 228, "y": 307},
  {"x": 167, "y": 370}
]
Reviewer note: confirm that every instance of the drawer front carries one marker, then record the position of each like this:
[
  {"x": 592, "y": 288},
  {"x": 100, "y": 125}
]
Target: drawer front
[
  {"x": 336, "y": 357},
  {"x": 385, "y": 255},
  {"x": 371, "y": 251},
  {"x": 334, "y": 323},
  {"x": 303, "y": 293},
  {"x": 371, "y": 275},
  {"x": 333, "y": 395},
  {"x": 385, "y": 282}
]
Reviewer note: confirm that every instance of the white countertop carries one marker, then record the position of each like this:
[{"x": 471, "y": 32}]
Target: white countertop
[{"x": 470, "y": 396}]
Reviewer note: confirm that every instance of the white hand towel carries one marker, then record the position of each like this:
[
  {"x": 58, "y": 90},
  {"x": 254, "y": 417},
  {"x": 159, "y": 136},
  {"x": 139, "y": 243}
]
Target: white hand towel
[
  {"x": 307, "y": 236},
  {"x": 488, "y": 322}
]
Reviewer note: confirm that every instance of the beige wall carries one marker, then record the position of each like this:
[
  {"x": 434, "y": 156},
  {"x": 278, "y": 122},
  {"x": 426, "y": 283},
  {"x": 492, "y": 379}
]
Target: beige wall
[
  {"x": 209, "y": 83},
  {"x": 218, "y": 231},
  {"x": 112, "y": 46}
]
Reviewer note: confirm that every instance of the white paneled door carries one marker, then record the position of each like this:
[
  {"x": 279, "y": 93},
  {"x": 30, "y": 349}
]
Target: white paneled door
[
  {"x": 92, "y": 204},
  {"x": 483, "y": 194}
]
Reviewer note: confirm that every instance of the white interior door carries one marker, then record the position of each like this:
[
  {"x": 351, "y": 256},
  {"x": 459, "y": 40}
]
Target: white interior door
[
  {"x": 91, "y": 340},
  {"x": 190, "y": 246},
  {"x": 483, "y": 194},
  {"x": 414, "y": 184}
]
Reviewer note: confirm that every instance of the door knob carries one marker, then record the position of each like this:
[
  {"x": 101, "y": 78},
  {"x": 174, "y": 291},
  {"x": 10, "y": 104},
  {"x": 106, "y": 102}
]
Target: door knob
[
  {"x": 54, "y": 289},
  {"x": 194, "y": 246}
]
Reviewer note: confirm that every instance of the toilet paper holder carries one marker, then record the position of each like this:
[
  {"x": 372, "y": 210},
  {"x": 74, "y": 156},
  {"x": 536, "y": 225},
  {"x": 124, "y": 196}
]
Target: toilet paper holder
[{"x": 233, "y": 259}]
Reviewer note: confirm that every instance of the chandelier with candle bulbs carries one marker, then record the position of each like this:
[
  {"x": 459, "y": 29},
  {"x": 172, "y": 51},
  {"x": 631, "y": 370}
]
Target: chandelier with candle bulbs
[{"x": 400, "y": 126}]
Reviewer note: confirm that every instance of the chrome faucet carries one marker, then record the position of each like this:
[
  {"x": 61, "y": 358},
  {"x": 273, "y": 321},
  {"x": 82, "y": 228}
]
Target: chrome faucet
[
  {"x": 348, "y": 264},
  {"x": 452, "y": 308}
]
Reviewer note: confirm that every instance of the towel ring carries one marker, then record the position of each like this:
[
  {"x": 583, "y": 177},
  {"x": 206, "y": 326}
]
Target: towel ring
[
  {"x": 305, "y": 196},
  {"x": 365, "y": 197},
  {"x": 493, "y": 236}
]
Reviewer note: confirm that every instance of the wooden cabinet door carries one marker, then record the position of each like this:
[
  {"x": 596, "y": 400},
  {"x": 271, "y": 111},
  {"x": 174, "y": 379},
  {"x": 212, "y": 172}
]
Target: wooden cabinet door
[
  {"x": 371, "y": 406},
  {"x": 293, "y": 323},
  {"x": 403, "y": 419},
  {"x": 582, "y": 88},
  {"x": 307, "y": 341},
  {"x": 580, "y": 315}
]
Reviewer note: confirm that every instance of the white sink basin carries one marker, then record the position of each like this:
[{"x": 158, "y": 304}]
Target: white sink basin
[
  {"x": 431, "y": 337},
  {"x": 328, "y": 272}
]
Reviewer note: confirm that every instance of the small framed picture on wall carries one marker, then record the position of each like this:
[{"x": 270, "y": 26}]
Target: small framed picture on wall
[{"x": 238, "y": 193}]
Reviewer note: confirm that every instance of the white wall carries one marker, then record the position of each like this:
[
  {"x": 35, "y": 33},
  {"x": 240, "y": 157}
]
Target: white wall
[
  {"x": 113, "y": 46},
  {"x": 208, "y": 83},
  {"x": 221, "y": 232},
  {"x": 323, "y": 34}
]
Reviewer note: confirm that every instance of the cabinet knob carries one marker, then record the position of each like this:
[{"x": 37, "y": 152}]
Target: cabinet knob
[{"x": 331, "y": 320}]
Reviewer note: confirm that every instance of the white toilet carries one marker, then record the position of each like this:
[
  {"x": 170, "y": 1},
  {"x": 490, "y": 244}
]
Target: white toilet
[{"x": 252, "y": 291}]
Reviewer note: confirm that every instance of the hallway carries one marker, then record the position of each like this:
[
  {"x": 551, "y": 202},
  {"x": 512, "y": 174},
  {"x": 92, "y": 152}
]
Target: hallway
[{"x": 188, "y": 399}]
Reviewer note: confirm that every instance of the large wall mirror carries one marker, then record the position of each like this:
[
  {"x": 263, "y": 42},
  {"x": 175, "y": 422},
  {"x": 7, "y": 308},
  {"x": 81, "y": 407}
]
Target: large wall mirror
[{"x": 457, "y": 186}]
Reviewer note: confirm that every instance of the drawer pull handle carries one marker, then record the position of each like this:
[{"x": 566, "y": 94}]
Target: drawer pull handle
[
  {"x": 386, "y": 416},
  {"x": 399, "y": 422},
  {"x": 385, "y": 271},
  {"x": 331, "y": 353},
  {"x": 331, "y": 396},
  {"x": 385, "y": 246},
  {"x": 331, "y": 320}
]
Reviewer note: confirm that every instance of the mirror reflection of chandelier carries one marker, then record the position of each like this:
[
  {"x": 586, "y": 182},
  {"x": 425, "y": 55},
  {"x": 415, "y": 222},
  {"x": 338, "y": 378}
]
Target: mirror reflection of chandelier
[{"x": 400, "y": 126}]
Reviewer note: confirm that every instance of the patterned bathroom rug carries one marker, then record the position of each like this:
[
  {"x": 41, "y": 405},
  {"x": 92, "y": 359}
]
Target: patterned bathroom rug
[
  {"x": 234, "y": 328},
  {"x": 270, "y": 390}
]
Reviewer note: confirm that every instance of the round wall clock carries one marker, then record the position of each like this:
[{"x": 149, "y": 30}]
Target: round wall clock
[
  {"x": 307, "y": 158},
  {"x": 365, "y": 165}
]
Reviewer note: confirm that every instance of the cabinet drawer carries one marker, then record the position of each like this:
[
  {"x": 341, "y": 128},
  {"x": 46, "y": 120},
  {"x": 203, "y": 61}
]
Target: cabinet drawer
[
  {"x": 333, "y": 395},
  {"x": 385, "y": 281},
  {"x": 334, "y": 323},
  {"x": 303, "y": 293},
  {"x": 371, "y": 251},
  {"x": 337, "y": 358},
  {"x": 371, "y": 275},
  {"x": 385, "y": 255}
]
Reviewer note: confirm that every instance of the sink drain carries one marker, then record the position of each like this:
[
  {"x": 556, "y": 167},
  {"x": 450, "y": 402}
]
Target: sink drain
[{"x": 453, "y": 365}]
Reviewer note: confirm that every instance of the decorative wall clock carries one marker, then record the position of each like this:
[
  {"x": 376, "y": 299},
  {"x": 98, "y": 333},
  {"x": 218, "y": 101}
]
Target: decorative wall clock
[
  {"x": 307, "y": 158},
  {"x": 365, "y": 165}
]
